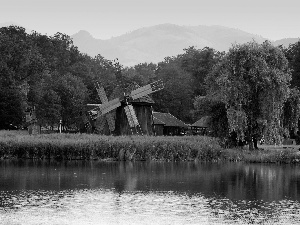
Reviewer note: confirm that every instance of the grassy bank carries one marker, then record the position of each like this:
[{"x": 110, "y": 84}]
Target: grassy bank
[
  {"x": 85, "y": 146},
  {"x": 20, "y": 145},
  {"x": 266, "y": 154}
]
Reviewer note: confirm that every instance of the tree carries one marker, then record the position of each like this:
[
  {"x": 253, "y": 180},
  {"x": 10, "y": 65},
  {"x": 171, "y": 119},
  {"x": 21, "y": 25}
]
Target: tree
[
  {"x": 292, "y": 105},
  {"x": 291, "y": 112},
  {"x": 199, "y": 63},
  {"x": 146, "y": 71},
  {"x": 49, "y": 109},
  {"x": 253, "y": 82},
  {"x": 11, "y": 108},
  {"x": 218, "y": 122},
  {"x": 49, "y": 72},
  {"x": 292, "y": 53},
  {"x": 177, "y": 95},
  {"x": 20, "y": 58},
  {"x": 47, "y": 102},
  {"x": 21, "y": 65},
  {"x": 72, "y": 94}
]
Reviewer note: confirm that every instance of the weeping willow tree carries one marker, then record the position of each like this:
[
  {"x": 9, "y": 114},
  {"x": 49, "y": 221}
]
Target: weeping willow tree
[
  {"x": 253, "y": 82},
  {"x": 291, "y": 112}
]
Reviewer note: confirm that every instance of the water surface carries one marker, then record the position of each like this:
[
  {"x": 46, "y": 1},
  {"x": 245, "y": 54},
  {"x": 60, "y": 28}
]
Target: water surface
[{"x": 148, "y": 193}]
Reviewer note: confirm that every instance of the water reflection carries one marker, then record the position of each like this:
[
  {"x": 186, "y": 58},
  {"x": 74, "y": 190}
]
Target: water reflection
[{"x": 154, "y": 193}]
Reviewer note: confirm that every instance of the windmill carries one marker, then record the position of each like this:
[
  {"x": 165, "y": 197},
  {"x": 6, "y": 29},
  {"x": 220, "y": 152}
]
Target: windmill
[{"x": 124, "y": 103}]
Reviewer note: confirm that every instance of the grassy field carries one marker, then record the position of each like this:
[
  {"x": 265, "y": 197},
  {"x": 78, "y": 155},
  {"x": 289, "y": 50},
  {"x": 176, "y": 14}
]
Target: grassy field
[{"x": 20, "y": 145}]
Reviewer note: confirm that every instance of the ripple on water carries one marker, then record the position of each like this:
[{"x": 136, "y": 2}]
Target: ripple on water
[{"x": 99, "y": 206}]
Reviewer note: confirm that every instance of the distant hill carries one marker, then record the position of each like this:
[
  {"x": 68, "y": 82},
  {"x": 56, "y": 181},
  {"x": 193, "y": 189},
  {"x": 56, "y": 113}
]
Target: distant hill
[
  {"x": 153, "y": 44},
  {"x": 285, "y": 42}
]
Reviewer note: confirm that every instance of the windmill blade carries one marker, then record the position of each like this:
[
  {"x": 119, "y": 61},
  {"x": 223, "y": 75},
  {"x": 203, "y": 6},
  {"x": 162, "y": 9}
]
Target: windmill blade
[
  {"x": 97, "y": 105},
  {"x": 108, "y": 106},
  {"x": 101, "y": 121},
  {"x": 131, "y": 116},
  {"x": 102, "y": 94},
  {"x": 147, "y": 89},
  {"x": 103, "y": 109},
  {"x": 109, "y": 117}
]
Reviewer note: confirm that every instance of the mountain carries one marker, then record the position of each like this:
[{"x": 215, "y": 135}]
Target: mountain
[
  {"x": 153, "y": 44},
  {"x": 285, "y": 42}
]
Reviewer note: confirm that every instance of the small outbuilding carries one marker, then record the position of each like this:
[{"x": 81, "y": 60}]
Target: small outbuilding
[
  {"x": 200, "y": 127},
  {"x": 167, "y": 124}
]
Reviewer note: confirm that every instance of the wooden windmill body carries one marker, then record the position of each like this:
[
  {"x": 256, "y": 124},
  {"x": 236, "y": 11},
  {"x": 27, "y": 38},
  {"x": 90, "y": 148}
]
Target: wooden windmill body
[
  {"x": 128, "y": 114},
  {"x": 141, "y": 121}
]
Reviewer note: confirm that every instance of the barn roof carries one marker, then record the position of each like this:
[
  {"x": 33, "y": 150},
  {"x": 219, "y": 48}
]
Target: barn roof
[
  {"x": 167, "y": 119},
  {"x": 157, "y": 121},
  {"x": 119, "y": 91},
  {"x": 203, "y": 122}
]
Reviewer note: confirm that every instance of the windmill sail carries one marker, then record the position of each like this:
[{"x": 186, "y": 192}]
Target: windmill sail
[
  {"x": 97, "y": 105},
  {"x": 131, "y": 116},
  {"x": 105, "y": 108},
  {"x": 147, "y": 89},
  {"x": 101, "y": 94},
  {"x": 109, "y": 106}
]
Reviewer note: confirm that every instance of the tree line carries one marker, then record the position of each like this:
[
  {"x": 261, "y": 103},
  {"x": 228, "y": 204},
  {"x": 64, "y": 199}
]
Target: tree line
[{"x": 252, "y": 86}]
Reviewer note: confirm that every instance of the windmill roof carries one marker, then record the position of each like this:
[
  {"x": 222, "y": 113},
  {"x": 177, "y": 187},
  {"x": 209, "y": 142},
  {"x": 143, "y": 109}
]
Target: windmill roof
[
  {"x": 119, "y": 91},
  {"x": 203, "y": 122},
  {"x": 167, "y": 119}
]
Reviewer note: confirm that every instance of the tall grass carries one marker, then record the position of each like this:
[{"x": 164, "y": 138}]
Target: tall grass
[
  {"x": 86, "y": 146},
  {"x": 262, "y": 155},
  {"x": 159, "y": 148}
]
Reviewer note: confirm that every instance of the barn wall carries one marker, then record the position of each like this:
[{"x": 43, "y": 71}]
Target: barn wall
[
  {"x": 159, "y": 129},
  {"x": 171, "y": 131}
]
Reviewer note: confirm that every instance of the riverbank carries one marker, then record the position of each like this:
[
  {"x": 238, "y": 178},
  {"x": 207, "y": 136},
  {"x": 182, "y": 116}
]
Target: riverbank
[{"x": 20, "y": 145}]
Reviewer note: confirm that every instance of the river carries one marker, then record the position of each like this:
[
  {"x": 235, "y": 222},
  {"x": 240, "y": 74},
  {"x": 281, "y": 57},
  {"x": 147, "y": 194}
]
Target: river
[{"x": 78, "y": 192}]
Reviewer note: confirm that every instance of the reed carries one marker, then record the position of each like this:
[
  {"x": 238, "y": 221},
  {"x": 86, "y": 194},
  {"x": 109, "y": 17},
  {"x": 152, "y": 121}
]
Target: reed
[
  {"x": 142, "y": 148},
  {"x": 268, "y": 155},
  {"x": 86, "y": 146}
]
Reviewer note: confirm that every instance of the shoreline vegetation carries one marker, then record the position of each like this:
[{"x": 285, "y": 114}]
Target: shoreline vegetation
[{"x": 18, "y": 145}]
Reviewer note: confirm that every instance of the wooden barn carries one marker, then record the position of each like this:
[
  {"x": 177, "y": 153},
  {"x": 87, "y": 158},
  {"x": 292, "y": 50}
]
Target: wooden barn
[
  {"x": 158, "y": 125},
  {"x": 167, "y": 124},
  {"x": 200, "y": 127}
]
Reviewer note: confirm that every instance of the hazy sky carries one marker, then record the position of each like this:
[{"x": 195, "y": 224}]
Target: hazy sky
[{"x": 107, "y": 18}]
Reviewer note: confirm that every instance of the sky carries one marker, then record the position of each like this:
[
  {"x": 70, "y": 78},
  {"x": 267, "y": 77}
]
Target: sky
[{"x": 104, "y": 19}]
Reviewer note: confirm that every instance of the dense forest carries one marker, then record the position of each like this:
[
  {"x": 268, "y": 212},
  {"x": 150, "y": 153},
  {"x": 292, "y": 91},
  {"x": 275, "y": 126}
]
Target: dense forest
[{"x": 248, "y": 86}]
